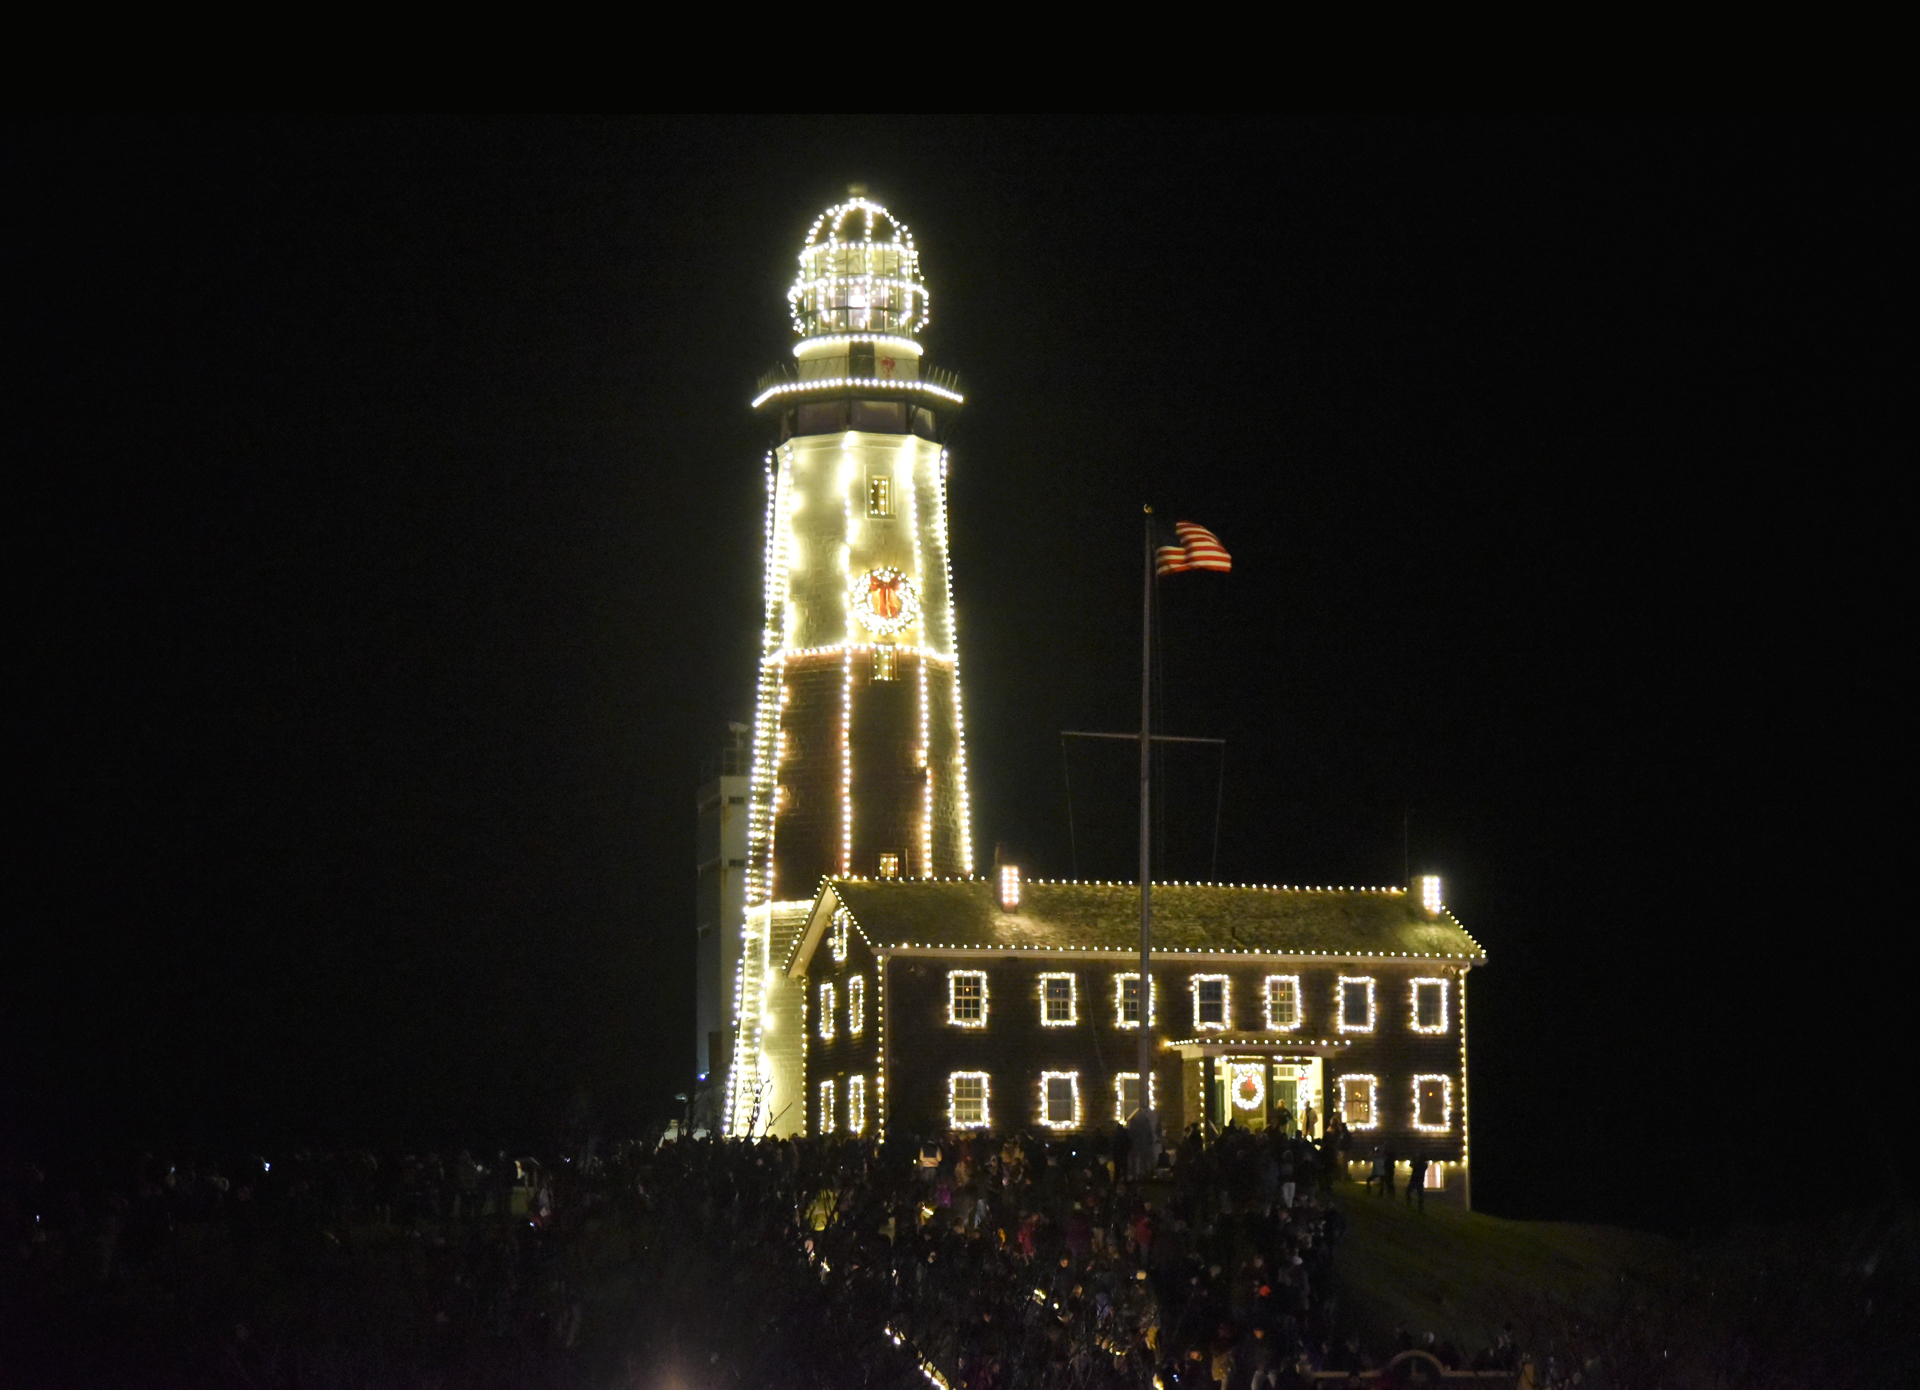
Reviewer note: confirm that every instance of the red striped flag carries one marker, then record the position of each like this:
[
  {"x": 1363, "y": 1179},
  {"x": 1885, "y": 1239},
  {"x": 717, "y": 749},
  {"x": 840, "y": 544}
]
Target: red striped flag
[{"x": 1198, "y": 549}]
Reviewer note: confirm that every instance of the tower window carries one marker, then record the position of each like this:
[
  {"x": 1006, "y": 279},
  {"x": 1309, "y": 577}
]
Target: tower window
[
  {"x": 889, "y": 864},
  {"x": 879, "y": 495},
  {"x": 883, "y": 656}
]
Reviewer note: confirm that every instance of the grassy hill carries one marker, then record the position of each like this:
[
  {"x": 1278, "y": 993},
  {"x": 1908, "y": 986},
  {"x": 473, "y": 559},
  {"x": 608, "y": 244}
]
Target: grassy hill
[{"x": 1463, "y": 1275}]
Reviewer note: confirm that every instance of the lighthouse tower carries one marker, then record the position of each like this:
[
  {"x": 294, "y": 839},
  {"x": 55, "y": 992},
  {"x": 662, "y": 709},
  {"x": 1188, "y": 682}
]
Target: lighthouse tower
[{"x": 858, "y": 754}]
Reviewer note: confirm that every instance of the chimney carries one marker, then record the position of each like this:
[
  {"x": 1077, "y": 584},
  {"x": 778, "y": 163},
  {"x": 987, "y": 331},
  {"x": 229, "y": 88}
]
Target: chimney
[
  {"x": 1426, "y": 895},
  {"x": 1006, "y": 880}
]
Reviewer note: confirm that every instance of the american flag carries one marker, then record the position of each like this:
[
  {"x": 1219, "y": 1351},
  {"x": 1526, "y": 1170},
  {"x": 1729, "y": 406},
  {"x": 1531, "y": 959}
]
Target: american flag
[{"x": 1197, "y": 549}]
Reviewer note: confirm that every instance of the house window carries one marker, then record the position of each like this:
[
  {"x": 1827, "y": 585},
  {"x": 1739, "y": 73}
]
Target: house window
[
  {"x": 968, "y": 1093},
  {"x": 1126, "y": 1001},
  {"x": 879, "y": 495},
  {"x": 1126, "y": 1095},
  {"x": 1059, "y": 1001},
  {"x": 1359, "y": 1101},
  {"x": 1356, "y": 1003},
  {"x": 1060, "y": 1099},
  {"x": 1433, "y": 1104},
  {"x": 1210, "y": 1001},
  {"x": 889, "y": 864},
  {"x": 883, "y": 663},
  {"x": 826, "y": 1013},
  {"x": 826, "y": 1107},
  {"x": 838, "y": 939},
  {"x": 857, "y": 1104},
  {"x": 1283, "y": 1003},
  {"x": 856, "y": 1006},
  {"x": 1430, "y": 1006},
  {"x": 967, "y": 998}
]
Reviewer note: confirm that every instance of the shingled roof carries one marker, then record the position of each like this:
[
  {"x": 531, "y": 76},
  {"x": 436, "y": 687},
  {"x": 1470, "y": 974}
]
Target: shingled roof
[{"x": 963, "y": 914}]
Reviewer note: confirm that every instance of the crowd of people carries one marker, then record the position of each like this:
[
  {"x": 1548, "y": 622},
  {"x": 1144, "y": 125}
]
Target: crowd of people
[{"x": 969, "y": 1260}]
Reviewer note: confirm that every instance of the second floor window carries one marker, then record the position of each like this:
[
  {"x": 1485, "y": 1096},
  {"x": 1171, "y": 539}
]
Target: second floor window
[
  {"x": 856, "y": 1006},
  {"x": 1429, "y": 1006},
  {"x": 1126, "y": 1001},
  {"x": 1283, "y": 1002},
  {"x": 1210, "y": 1001},
  {"x": 1057, "y": 1001},
  {"x": 1356, "y": 1003},
  {"x": 826, "y": 1013},
  {"x": 967, "y": 998}
]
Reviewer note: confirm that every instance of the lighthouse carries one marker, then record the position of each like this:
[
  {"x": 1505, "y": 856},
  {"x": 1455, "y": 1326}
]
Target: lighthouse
[{"x": 858, "y": 757}]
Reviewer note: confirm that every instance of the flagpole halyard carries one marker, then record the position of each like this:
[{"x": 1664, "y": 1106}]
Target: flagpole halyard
[{"x": 1146, "y": 874}]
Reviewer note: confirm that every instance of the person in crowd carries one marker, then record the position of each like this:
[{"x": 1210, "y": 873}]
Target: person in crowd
[
  {"x": 1417, "y": 1181},
  {"x": 1001, "y": 1261}
]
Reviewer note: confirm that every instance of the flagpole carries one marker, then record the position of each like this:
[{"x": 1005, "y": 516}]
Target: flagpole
[{"x": 1146, "y": 866}]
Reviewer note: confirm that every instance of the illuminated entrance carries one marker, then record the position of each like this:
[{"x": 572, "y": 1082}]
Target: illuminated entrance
[{"x": 1229, "y": 1084}]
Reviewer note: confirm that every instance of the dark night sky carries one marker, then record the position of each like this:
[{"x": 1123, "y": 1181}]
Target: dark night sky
[{"x": 387, "y": 538}]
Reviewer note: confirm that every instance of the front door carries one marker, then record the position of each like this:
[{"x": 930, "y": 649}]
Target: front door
[{"x": 1296, "y": 1084}]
